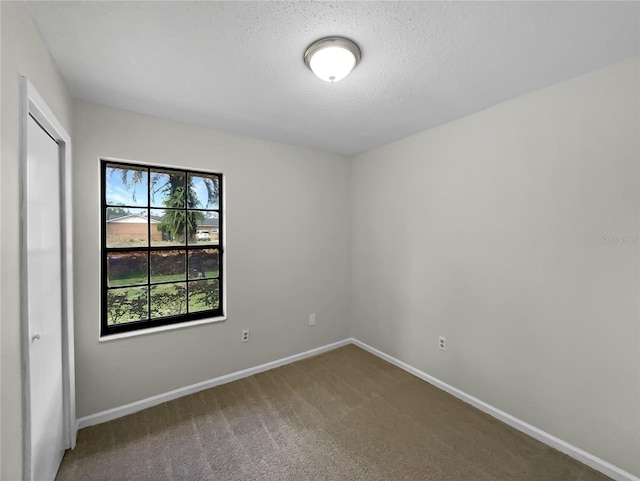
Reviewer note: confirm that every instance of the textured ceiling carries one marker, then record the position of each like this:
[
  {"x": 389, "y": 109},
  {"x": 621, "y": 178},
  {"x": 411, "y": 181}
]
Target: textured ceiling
[{"x": 237, "y": 66}]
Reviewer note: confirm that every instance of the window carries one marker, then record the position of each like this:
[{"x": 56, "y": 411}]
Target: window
[{"x": 161, "y": 246}]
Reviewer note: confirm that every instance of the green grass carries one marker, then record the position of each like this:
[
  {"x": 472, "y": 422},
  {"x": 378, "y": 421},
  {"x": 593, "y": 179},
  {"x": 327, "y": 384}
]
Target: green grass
[
  {"x": 175, "y": 304},
  {"x": 141, "y": 278},
  {"x": 118, "y": 242},
  {"x": 197, "y": 305},
  {"x": 131, "y": 280}
]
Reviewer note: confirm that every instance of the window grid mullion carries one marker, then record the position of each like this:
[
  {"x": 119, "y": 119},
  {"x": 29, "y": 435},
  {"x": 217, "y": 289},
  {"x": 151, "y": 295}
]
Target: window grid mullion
[
  {"x": 148, "y": 243},
  {"x": 187, "y": 247},
  {"x": 186, "y": 239}
]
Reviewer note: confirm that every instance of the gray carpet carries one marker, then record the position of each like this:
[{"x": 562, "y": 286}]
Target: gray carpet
[{"x": 343, "y": 415}]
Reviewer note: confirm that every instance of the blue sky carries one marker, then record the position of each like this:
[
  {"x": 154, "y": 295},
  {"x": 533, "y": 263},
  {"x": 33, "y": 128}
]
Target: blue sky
[
  {"x": 201, "y": 192},
  {"x": 119, "y": 194}
]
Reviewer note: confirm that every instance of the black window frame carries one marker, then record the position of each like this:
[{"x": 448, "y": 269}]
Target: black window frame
[{"x": 150, "y": 323}]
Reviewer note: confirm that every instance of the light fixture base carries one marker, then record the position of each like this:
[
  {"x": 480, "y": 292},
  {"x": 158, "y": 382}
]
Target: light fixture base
[{"x": 332, "y": 44}]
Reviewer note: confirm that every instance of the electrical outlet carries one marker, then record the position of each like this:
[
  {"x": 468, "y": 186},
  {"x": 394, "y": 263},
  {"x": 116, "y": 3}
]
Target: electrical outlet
[
  {"x": 442, "y": 343},
  {"x": 312, "y": 319},
  {"x": 245, "y": 335}
]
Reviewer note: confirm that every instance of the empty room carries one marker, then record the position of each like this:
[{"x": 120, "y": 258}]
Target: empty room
[{"x": 311, "y": 240}]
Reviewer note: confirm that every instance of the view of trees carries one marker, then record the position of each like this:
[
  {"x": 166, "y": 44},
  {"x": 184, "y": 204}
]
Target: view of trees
[
  {"x": 117, "y": 211},
  {"x": 161, "y": 281},
  {"x": 171, "y": 189}
]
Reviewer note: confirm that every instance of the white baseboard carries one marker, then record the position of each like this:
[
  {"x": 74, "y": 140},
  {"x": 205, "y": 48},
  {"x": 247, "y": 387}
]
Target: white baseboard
[
  {"x": 115, "y": 413},
  {"x": 576, "y": 453}
]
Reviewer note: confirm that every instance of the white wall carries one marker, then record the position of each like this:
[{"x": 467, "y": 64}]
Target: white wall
[
  {"x": 489, "y": 231},
  {"x": 287, "y": 256},
  {"x": 23, "y": 53}
]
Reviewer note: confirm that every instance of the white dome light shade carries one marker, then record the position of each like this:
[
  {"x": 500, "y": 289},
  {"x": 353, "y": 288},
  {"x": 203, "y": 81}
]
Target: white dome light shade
[
  {"x": 332, "y": 63},
  {"x": 332, "y": 58}
]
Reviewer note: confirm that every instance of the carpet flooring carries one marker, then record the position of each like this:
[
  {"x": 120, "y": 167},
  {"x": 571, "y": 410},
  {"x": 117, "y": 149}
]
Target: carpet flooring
[{"x": 343, "y": 415}]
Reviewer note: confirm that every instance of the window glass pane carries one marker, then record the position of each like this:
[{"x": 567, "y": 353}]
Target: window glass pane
[
  {"x": 127, "y": 305},
  {"x": 205, "y": 227},
  {"x": 203, "y": 263},
  {"x": 126, "y": 268},
  {"x": 167, "y": 227},
  {"x": 129, "y": 230},
  {"x": 168, "y": 300},
  {"x": 194, "y": 219},
  {"x": 167, "y": 188},
  {"x": 203, "y": 191},
  {"x": 168, "y": 266},
  {"x": 204, "y": 295},
  {"x": 126, "y": 186},
  {"x": 162, "y": 247}
]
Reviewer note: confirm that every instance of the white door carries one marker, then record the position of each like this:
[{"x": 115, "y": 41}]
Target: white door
[{"x": 44, "y": 294}]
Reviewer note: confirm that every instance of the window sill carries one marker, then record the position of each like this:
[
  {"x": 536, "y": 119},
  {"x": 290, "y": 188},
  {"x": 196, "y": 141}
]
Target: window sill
[{"x": 153, "y": 330}]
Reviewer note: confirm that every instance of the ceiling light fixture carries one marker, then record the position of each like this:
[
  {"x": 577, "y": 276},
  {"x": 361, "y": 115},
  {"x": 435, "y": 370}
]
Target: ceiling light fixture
[{"x": 332, "y": 58}]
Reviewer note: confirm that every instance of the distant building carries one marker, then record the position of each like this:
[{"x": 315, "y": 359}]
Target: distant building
[
  {"x": 211, "y": 226},
  {"x": 131, "y": 229}
]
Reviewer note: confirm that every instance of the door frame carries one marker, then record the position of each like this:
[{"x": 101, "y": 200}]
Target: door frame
[{"x": 33, "y": 104}]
